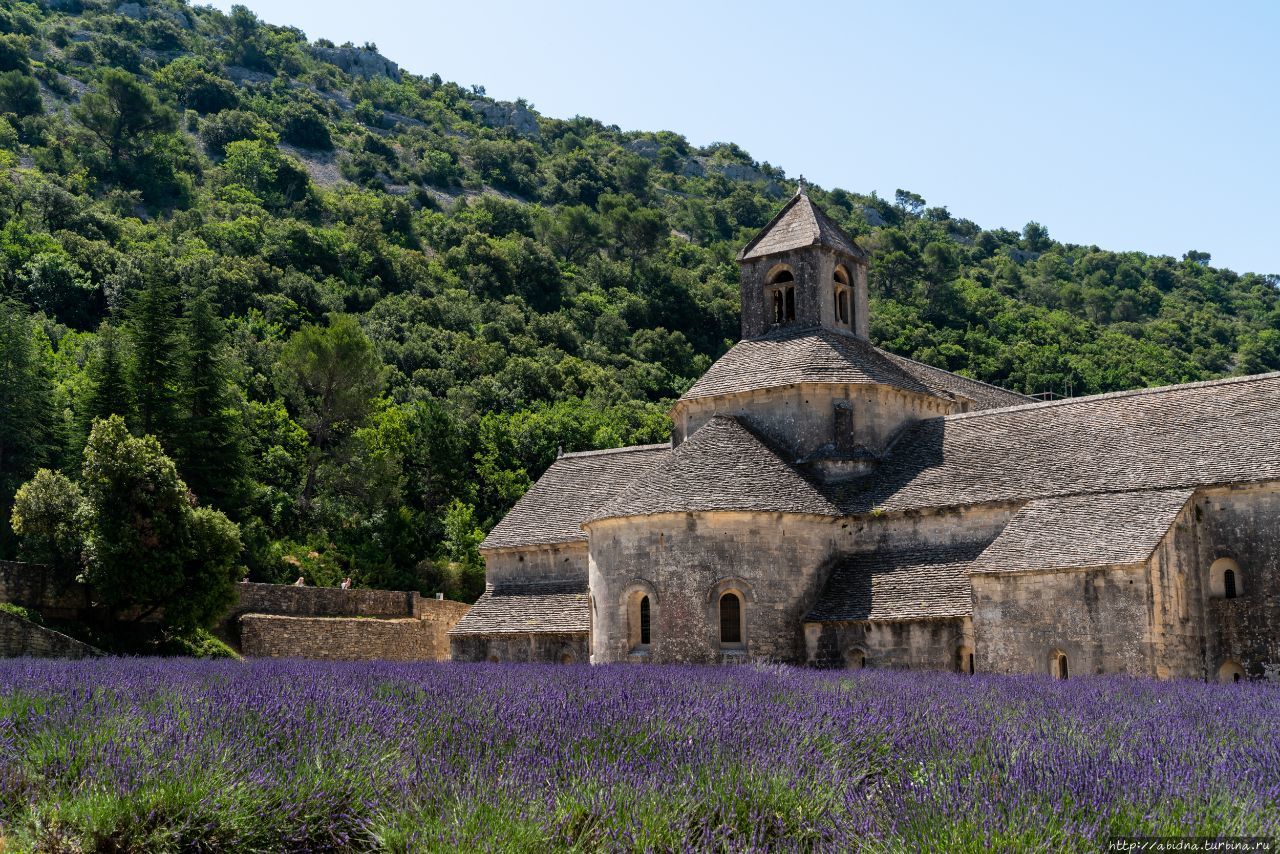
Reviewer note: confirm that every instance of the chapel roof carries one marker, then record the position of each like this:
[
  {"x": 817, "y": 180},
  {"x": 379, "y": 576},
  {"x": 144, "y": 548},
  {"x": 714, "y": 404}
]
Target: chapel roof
[
  {"x": 545, "y": 607},
  {"x": 723, "y": 466},
  {"x": 789, "y": 356},
  {"x": 573, "y": 488},
  {"x": 799, "y": 224},
  {"x": 1197, "y": 434},
  {"x": 928, "y": 582},
  {"x": 1078, "y": 531}
]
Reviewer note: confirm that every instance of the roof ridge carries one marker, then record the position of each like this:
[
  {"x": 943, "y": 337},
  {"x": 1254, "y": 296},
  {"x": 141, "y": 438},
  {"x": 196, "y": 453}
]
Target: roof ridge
[
  {"x": 984, "y": 383},
  {"x": 626, "y": 449},
  {"x": 1111, "y": 395}
]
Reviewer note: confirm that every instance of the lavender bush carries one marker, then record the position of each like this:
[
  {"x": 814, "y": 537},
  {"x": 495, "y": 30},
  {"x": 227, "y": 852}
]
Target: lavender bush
[{"x": 183, "y": 755}]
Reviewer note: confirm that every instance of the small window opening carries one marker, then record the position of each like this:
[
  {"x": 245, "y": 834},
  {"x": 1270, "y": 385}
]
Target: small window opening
[
  {"x": 1062, "y": 672},
  {"x": 970, "y": 664},
  {"x": 730, "y": 619},
  {"x": 644, "y": 621},
  {"x": 1230, "y": 672},
  {"x": 1229, "y": 583},
  {"x": 856, "y": 659},
  {"x": 842, "y": 306}
]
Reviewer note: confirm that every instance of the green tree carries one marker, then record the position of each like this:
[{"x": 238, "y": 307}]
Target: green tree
[
  {"x": 330, "y": 376},
  {"x": 211, "y": 438},
  {"x": 108, "y": 390},
  {"x": 148, "y": 550},
  {"x": 123, "y": 115},
  {"x": 49, "y": 516},
  {"x": 155, "y": 376},
  {"x": 19, "y": 94},
  {"x": 29, "y": 436}
]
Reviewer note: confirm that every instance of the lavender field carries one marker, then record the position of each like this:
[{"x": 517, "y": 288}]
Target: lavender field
[{"x": 181, "y": 755}]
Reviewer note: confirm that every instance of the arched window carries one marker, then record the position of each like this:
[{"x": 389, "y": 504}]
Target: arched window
[
  {"x": 964, "y": 660},
  {"x": 730, "y": 620},
  {"x": 780, "y": 296},
  {"x": 843, "y": 309},
  {"x": 1058, "y": 664},
  {"x": 1230, "y": 671},
  {"x": 856, "y": 659},
  {"x": 1226, "y": 581},
  {"x": 639, "y": 605}
]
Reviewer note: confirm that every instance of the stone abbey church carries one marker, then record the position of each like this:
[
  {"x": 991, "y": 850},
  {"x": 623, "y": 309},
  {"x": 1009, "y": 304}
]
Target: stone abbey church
[{"x": 823, "y": 501}]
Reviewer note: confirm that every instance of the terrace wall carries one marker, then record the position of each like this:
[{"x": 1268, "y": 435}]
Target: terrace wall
[
  {"x": 19, "y": 637},
  {"x": 351, "y": 638}
]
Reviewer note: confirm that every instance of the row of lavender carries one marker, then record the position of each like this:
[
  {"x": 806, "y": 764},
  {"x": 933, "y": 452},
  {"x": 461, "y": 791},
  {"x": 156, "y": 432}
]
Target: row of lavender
[{"x": 153, "y": 755}]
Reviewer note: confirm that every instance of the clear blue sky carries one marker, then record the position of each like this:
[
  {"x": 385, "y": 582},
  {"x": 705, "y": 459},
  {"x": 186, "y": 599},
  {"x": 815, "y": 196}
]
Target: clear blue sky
[{"x": 1132, "y": 125}]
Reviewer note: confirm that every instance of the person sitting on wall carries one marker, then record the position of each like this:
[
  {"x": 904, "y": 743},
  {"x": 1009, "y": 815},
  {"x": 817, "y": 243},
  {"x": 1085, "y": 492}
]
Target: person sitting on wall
[
  {"x": 346, "y": 583},
  {"x": 301, "y": 582}
]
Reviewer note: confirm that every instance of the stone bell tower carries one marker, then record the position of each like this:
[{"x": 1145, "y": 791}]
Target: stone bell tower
[{"x": 802, "y": 272}]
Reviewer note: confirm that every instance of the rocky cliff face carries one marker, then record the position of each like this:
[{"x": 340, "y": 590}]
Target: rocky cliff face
[{"x": 358, "y": 61}]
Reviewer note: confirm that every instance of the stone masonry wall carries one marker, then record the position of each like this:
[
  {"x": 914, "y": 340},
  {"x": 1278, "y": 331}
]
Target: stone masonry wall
[
  {"x": 422, "y": 638},
  {"x": 29, "y": 585},
  {"x": 560, "y": 562},
  {"x": 1243, "y": 524},
  {"x": 522, "y": 648},
  {"x": 19, "y": 637},
  {"x": 801, "y": 418},
  {"x": 1178, "y": 622},
  {"x": 907, "y": 645},
  {"x": 1100, "y": 618},
  {"x": 684, "y": 562},
  {"x": 814, "y": 269}
]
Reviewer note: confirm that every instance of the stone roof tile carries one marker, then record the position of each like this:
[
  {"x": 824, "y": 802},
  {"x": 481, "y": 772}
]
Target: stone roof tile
[
  {"x": 789, "y": 356},
  {"x": 574, "y": 487},
  {"x": 1107, "y": 529},
  {"x": 556, "y": 607},
  {"x": 906, "y": 584},
  {"x": 722, "y": 466},
  {"x": 1221, "y": 431},
  {"x": 799, "y": 224}
]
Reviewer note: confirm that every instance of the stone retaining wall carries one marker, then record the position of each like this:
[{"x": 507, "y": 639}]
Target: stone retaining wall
[
  {"x": 19, "y": 637},
  {"x": 423, "y": 638}
]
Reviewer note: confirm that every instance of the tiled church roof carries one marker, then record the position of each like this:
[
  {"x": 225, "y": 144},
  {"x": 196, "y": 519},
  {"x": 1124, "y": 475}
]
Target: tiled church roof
[
  {"x": 907, "y": 584},
  {"x": 800, "y": 223},
  {"x": 575, "y": 486},
  {"x": 1222, "y": 431},
  {"x": 722, "y": 466},
  {"x": 1106, "y": 529},
  {"x": 791, "y": 356},
  {"x": 547, "y": 607}
]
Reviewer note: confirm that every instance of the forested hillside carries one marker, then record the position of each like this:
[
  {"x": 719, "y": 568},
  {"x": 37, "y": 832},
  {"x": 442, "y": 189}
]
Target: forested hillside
[{"x": 361, "y": 310}]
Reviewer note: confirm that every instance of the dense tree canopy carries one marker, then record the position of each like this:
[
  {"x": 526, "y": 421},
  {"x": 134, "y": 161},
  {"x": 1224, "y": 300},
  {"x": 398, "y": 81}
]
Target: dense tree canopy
[{"x": 362, "y": 310}]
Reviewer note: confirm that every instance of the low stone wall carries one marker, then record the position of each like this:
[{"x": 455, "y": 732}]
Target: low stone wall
[
  {"x": 19, "y": 637},
  {"x": 30, "y": 585},
  {"x": 522, "y": 648},
  {"x": 422, "y": 638}
]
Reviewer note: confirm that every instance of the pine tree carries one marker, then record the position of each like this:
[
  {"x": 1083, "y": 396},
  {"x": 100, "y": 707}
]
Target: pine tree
[
  {"x": 155, "y": 376},
  {"x": 108, "y": 392},
  {"x": 211, "y": 446},
  {"x": 28, "y": 419}
]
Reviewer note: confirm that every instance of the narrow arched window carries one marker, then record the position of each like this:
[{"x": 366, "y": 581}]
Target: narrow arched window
[
  {"x": 781, "y": 296},
  {"x": 1062, "y": 665},
  {"x": 730, "y": 619},
  {"x": 841, "y": 295},
  {"x": 856, "y": 659},
  {"x": 1229, "y": 584},
  {"x": 644, "y": 621}
]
